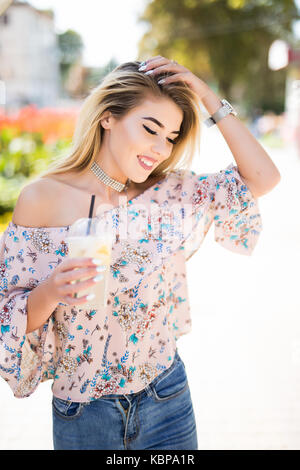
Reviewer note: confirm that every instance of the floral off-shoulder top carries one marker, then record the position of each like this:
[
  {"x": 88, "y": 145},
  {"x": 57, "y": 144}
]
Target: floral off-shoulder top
[{"x": 122, "y": 347}]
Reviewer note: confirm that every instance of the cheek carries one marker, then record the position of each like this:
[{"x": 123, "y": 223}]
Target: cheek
[
  {"x": 132, "y": 134},
  {"x": 130, "y": 140}
]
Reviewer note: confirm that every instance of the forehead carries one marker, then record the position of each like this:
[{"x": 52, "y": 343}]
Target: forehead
[{"x": 163, "y": 109}]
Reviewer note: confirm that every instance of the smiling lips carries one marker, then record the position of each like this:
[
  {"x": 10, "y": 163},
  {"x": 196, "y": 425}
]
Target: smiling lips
[{"x": 146, "y": 162}]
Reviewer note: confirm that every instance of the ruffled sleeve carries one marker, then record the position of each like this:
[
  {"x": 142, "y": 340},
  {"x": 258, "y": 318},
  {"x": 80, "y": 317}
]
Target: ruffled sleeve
[
  {"x": 27, "y": 257},
  {"x": 221, "y": 199},
  {"x": 236, "y": 214}
]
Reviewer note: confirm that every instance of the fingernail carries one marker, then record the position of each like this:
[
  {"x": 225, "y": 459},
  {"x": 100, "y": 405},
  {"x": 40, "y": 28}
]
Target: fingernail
[
  {"x": 161, "y": 81},
  {"x": 97, "y": 261},
  {"x": 149, "y": 72},
  {"x": 98, "y": 278},
  {"x": 90, "y": 296},
  {"x": 143, "y": 63},
  {"x": 101, "y": 269},
  {"x": 142, "y": 68}
]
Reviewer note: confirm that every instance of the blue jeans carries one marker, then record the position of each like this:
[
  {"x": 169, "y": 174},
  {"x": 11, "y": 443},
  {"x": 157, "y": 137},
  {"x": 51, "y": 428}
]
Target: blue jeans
[{"x": 160, "y": 416}]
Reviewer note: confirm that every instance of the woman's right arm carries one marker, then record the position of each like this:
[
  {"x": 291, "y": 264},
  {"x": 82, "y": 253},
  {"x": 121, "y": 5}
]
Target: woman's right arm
[
  {"x": 40, "y": 305},
  {"x": 35, "y": 276},
  {"x": 31, "y": 210}
]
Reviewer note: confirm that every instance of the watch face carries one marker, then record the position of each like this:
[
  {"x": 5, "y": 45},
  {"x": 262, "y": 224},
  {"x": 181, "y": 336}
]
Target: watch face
[{"x": 228, "y": 106}]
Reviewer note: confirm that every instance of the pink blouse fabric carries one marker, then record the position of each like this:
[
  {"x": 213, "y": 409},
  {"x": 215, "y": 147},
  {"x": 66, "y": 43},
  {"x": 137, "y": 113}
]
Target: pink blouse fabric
[{"x": 122, "y": 347}]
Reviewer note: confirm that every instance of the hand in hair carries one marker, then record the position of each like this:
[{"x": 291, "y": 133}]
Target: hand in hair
[{"x": 158, "y": 65}]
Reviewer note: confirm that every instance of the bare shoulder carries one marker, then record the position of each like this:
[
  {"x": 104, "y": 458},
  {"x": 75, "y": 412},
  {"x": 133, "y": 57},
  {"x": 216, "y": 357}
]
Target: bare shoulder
[{"x": 34, "y": 203}]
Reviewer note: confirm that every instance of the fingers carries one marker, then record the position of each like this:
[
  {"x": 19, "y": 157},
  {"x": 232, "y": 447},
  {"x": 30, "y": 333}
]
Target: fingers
[
  {"x": 154, "y": 62},
  {"x": 79, "y": 273},
  {"x": 161, "y": 69},
  {"x": 68, "y": 293},
  {"x": 67, "y": 289},
  {"x": 72, "y": 270},
  {"x": 69, "y": 300},
  {"x": 157, "y": 61},
  {"x": 71, "y": 263},
  {"x": 173, "y": 78},
  {"x": 158, "y": 65},
  {"x": 157, "y": 57}
]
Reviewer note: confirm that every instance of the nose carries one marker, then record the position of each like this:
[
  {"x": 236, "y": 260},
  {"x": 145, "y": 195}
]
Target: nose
[{"x": 161, "y": 151}]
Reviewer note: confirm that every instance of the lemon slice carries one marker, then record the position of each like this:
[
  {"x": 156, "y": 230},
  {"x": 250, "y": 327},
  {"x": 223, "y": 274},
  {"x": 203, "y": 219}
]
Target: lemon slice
[{"x": 103, "y": 250}]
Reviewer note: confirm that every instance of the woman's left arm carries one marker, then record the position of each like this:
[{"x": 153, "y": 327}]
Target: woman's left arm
[{"x": 254, "y": 164}]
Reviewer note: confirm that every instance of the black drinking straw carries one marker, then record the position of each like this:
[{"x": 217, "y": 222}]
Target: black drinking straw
[{"x": 90, "y": 214}]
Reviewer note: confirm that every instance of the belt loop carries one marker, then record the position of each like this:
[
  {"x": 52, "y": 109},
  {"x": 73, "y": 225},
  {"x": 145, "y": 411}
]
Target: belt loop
[{"x": 149, "y": 391}]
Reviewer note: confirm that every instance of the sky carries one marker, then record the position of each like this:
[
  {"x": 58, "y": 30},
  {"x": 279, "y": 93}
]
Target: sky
[{"x": 109, "y": 28}]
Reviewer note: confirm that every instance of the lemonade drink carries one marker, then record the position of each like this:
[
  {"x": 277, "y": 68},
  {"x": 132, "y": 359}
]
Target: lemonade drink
[{"x": 95, "y": 245}]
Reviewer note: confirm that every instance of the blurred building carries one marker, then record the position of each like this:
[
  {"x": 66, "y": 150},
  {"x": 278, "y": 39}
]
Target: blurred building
[{"x": 29, "y": 57}]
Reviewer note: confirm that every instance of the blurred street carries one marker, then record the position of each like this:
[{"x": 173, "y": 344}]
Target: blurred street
[{"x": 243, "y": 354}]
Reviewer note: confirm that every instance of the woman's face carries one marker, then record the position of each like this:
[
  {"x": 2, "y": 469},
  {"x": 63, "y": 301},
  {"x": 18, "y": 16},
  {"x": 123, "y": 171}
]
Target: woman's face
[{"x": 146, "y": 131}]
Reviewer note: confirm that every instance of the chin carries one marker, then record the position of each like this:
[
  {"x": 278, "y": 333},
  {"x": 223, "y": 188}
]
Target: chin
[{"x": 139, "y": 179}]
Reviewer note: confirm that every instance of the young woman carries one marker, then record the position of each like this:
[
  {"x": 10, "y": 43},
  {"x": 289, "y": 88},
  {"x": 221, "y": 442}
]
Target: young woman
[{"x": 118, "y": 380}]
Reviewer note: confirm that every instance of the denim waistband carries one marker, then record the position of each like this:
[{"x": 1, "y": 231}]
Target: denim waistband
[{"x": 147, "y": 389}]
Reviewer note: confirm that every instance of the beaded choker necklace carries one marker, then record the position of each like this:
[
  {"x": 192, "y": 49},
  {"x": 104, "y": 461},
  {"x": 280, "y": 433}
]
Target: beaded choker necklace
[{"x": 97, "y": 170}]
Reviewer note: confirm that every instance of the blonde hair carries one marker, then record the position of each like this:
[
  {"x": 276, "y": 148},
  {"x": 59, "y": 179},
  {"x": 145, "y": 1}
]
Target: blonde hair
[{"x": 120, "y": 91}]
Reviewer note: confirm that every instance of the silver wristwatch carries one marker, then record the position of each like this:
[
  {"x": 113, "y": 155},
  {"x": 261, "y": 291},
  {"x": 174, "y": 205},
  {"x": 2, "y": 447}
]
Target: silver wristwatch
[{"x": 220, "y": 113}]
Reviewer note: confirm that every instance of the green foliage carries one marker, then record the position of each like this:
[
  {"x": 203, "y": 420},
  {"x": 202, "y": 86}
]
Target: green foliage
[
  {"x": 22, "y": 157},
  {"x": 96, "y": 74},
  {"x": 224, "y": 42},
  {"x": 70, "y": 46}
]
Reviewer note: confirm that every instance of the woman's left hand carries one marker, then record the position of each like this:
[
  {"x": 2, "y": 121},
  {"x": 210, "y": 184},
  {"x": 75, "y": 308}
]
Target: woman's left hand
[{"x": 158, "y": 65}]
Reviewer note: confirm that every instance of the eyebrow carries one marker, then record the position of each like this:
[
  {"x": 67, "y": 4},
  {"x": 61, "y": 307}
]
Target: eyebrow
[{"x": 159, "y": 124}]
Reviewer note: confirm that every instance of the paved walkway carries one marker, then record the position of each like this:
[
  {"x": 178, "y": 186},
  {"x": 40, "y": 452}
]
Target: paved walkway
[{"x": 243, "y": 354}]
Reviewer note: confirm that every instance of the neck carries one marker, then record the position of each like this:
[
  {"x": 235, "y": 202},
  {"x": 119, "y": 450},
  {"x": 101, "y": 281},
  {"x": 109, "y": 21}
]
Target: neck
[
  {"x": 110, "y": 184},
  {"x": 109, "y": 167}
]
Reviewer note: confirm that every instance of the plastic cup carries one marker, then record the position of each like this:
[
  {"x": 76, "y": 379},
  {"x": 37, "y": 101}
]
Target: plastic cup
[{"x": 87, "y": 238}]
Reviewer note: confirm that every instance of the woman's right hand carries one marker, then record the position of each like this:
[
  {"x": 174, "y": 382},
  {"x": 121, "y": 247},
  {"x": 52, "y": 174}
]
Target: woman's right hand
[{"x": 59, "y": 284}]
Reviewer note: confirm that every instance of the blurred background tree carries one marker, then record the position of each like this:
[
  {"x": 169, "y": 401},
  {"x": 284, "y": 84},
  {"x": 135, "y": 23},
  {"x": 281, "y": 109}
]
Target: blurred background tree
[
  {"x": 70, "y": 46},
  {"x": 226, "y": 43},
  {"x": 96, "y": 74}
]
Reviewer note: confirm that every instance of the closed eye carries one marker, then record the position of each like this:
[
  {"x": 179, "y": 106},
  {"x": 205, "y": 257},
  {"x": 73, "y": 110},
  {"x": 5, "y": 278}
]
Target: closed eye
[{"x": 153, "y": 132}]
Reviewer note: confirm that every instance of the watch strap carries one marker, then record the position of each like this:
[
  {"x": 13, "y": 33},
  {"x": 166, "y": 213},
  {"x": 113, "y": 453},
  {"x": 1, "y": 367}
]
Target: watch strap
[
  {"x": 223, "y": 111},
  {"x": 210, "y": 121}
]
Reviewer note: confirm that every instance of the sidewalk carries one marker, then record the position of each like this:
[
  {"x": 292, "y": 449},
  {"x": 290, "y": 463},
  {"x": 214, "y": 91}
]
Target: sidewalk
[{"x": 243, "y": 354}]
